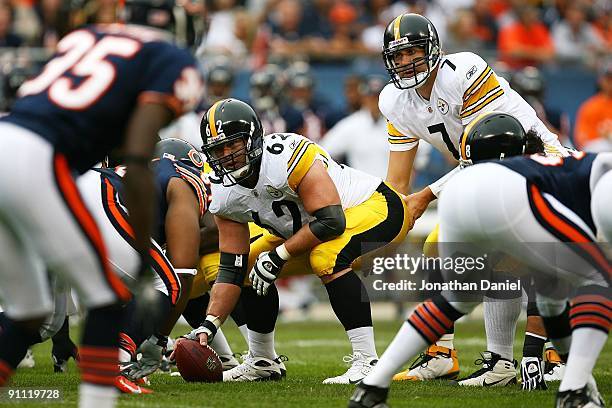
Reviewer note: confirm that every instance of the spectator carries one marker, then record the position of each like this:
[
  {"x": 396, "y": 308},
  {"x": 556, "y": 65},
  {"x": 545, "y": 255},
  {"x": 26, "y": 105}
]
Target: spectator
[
  {"x": 351, "y": 93},
  {"x": 594, "y": 120},
  {"x": 361, "y": 138},
  {"x": 575, "y": 39},
  {"x": 286, "y": 37},
  {"x": 527, "y": 41},
  {"x": 54, "y": 19},
  {"x": 486, "y": 26},
  {"x": 380, "y": 17},
  {"x": 603, "y": 26},
  {"x": 225, "y": 35},
  {"x": 277, "y": 116},
  {"x": 345, "y": 39},
  {"x": 7, "y": 37},
  {"x": 463, "y": 33},
  {"x": 219, "y": 81}
]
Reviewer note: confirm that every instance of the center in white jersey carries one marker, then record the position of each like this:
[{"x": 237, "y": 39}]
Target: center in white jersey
[
  {"x": 274, "y": 203},
  {"x": 464, "y": 88}
]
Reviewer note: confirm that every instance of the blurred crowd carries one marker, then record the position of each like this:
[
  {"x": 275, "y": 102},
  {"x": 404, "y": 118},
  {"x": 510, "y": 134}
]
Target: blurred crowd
[{"x": 278, "y": 40}]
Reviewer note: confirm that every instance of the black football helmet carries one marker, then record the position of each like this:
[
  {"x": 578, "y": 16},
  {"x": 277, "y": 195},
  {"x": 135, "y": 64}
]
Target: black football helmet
[
  {"x": 492, "y": 136},
  {"x": 225, "y": 124},
  {"x": 178, "y": 150},
  {"x": 407, "y": 31}
]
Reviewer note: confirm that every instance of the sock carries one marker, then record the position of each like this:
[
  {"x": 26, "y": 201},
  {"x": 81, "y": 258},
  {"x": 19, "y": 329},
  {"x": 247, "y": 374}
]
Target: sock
[
  {"x": 14, "y": 343},
  {"x": 555, "y": 316},
  {"x": 501, "y": 316},
  {"x": 407, "y": 343},
  {"x": 96, "y": 396},
  {"x": 587, "y": 343},
  {"x": 446, "y": 341},
  {"x": 99, "y": 353},
  {"x": 533, "y": 345},
  {"x": 262, "y": 344},
  {"x": 220, "y": 344},
  {"x": 245, "y": 332},
  {"x": 261, "y": 311},
  {"x": 362, "y": 340},
  {"x": 426, "y": 324},
  {"x": 349, "y": 300}
]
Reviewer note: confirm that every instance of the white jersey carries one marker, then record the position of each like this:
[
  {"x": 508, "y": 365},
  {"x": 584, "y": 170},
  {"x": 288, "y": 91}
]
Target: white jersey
[
  {"x": 465, "y": 87},
  {"x": 274, "y": 203}
]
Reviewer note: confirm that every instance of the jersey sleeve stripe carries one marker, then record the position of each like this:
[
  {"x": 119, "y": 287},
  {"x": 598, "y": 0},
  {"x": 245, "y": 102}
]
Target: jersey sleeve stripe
[
  {"x": 487, "y": 99},
  {"x": 488, "y": 85},
  {"x": 296, "y": 152},
  {"x": 171, "y": 102},
  {"x": 304, "y": 162},
  {"x": 298, "y": 157},
  {"x": 477, "y": 82},
  {"x": 402, "y": 140},
  {"x": 197, "y": 185},
  {"x": 392, "y": 130}
]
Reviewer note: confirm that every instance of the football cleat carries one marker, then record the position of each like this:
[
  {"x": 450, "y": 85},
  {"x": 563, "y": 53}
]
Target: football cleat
[
  {"x": 369, "y": 396},
  {"x": 495, "y": 372},
  {"x": 254, "y": 369},
  {"x": 128, "y": 387},
  {"x": 28, "y": 360},
  {"x": 436, "y": 363},
  {"x": 532, "y": 374},
  {"x": 228, "y": 361},
  {"x": 581, "y": 398},
  {"x": 359, "y": 367},
  {"x": 554, "y": 367}
]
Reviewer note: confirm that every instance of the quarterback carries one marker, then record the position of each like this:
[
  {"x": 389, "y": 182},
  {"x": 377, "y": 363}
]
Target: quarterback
[
  {"x": 309, "y": 205},
  {"x": 433, "y": 97}
]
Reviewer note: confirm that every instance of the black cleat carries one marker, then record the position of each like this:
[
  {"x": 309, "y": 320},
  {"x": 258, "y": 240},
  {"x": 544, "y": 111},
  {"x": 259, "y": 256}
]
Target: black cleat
[{"x": 369, "y": 396}]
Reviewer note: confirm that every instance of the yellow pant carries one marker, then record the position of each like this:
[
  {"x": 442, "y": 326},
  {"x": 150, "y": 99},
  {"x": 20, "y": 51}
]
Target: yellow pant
[{"x": 379, "y": 220}]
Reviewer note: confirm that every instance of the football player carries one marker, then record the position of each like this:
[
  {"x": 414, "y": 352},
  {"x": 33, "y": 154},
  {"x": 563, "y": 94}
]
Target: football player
[
  {"x": 312, "y": 207},
  {"x": 506, "y": 206},
  {"x": 433, "y": 97},
  {"x": 107, "y": 86}
]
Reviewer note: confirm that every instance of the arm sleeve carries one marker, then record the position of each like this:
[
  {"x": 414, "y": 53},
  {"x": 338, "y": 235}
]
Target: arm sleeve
[
  {"x": 302, "y": 158},
  {"x": 481, "y": 90},
  {"x": 437, "y": 186},
  {"x": 398, "y": 142}
]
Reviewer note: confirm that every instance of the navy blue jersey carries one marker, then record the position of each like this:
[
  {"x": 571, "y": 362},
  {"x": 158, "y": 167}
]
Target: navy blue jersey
[
  {"x": 164, "y": 170},
  {"x": 85, "y": 95},
  {"x": 565, "y": 178}
]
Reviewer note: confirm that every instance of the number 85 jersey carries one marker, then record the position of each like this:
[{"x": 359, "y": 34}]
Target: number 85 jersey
[
  {"x": 464, "y": 88},
  {"x": 274, "y": 203},
  {"x": 84, "y": 97}
]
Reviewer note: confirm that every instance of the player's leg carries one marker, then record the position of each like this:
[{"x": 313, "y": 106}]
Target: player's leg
[
  {"x": 376, "y": 222},
  {"x": 601, "y": 202},
  {"x": 440, "y": 360}
]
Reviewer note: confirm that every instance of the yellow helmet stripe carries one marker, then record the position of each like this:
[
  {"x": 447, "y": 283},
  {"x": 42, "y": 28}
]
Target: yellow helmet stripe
[
  {"x": 396, "y": 27},
  {"x": 211, "y": 119}
]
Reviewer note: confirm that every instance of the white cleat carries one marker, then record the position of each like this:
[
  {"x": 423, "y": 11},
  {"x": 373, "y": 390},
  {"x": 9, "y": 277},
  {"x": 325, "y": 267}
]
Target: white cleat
[
  {"x": 436, "y": 363},
  {"x": 28, "y": 361},
  {"x": 228, "y": 361},
  {"x": 254, "y": 369},
  {"x": 495, "y": 372},
  {"x": 360, "y": 367},
  {"x": 554, "y": 367}
]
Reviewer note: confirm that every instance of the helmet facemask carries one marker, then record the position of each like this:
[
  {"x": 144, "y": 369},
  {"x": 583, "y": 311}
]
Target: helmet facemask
[
  {"x": 429, "y": 60},
  {"x": 236, "y": 166}
]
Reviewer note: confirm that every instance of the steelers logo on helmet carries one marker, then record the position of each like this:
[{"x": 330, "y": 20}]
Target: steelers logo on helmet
[
  {"x": 411, "y": 50},
  {"x": 492, "y": 136},
  {"x": 233, "y": 138}
]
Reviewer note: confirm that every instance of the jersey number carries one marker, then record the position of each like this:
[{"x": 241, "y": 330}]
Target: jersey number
[
  {"x": 277, "y": 208},
  {"x": 441, "y": 129},
  {"x": 277, "y": 148},
  {"x": 85, "y": 59}
]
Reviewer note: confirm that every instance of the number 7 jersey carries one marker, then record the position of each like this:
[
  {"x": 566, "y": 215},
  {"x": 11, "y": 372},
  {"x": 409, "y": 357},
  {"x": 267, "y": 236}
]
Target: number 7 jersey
[
  {"x": 465, "y": 87},
  {"x": 84, "y": 97},
  {"x": 274, "y": 203}
]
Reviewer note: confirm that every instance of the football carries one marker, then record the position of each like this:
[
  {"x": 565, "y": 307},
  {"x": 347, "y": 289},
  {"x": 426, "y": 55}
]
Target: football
[{"x": 198, "y": 363}]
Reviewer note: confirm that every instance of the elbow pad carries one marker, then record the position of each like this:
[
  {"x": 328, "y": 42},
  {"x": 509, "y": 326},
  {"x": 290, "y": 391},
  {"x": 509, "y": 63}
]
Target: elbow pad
[
  {"x": 330, "y": 223},
  {"x": 232, "y": 269}
]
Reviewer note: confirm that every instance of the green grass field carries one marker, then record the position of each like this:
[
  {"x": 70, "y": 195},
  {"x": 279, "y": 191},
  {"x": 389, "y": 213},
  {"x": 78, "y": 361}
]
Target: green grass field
[{"x": 315, "y": 352}]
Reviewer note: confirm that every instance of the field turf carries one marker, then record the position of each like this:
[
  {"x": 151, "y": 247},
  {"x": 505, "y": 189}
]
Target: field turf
[{"x": 315, "y": 351}]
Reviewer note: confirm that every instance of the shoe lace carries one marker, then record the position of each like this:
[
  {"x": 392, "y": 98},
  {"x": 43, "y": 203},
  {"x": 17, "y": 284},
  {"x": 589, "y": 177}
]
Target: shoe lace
[
  {"x": 422, "y": 360},
  {"x": 486, "y": 366}
]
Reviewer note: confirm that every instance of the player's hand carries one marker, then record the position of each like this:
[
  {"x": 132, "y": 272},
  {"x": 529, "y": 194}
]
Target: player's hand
[
  {"x": 265, "y": 271},
  {"x": 152, "y": 350},
  {"x": 532, "y": 374},
  {"x": 196, "y": 334},
  {"x": 417, "y": 204}
]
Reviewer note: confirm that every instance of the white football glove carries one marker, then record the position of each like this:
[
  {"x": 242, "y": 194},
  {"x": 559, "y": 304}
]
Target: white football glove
[
  {"x": 265, "y": 271},
  {"x": 532, "y": 374}
]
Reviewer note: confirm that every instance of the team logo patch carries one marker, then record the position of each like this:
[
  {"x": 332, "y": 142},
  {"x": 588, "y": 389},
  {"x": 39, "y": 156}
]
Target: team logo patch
[
  {"x": 442, "y": 106},
  {"x": 211, "y": 364},
  {"x": 274, "y": 193},
  {"x": 196, "y": 158},
  {"x": 293, "y": 145},
  {"x": 471, "y": 72}
]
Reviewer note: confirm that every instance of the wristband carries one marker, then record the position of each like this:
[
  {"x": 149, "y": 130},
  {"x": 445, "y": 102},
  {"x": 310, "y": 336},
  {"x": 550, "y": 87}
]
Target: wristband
[{"x": 282, "y": 252}]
